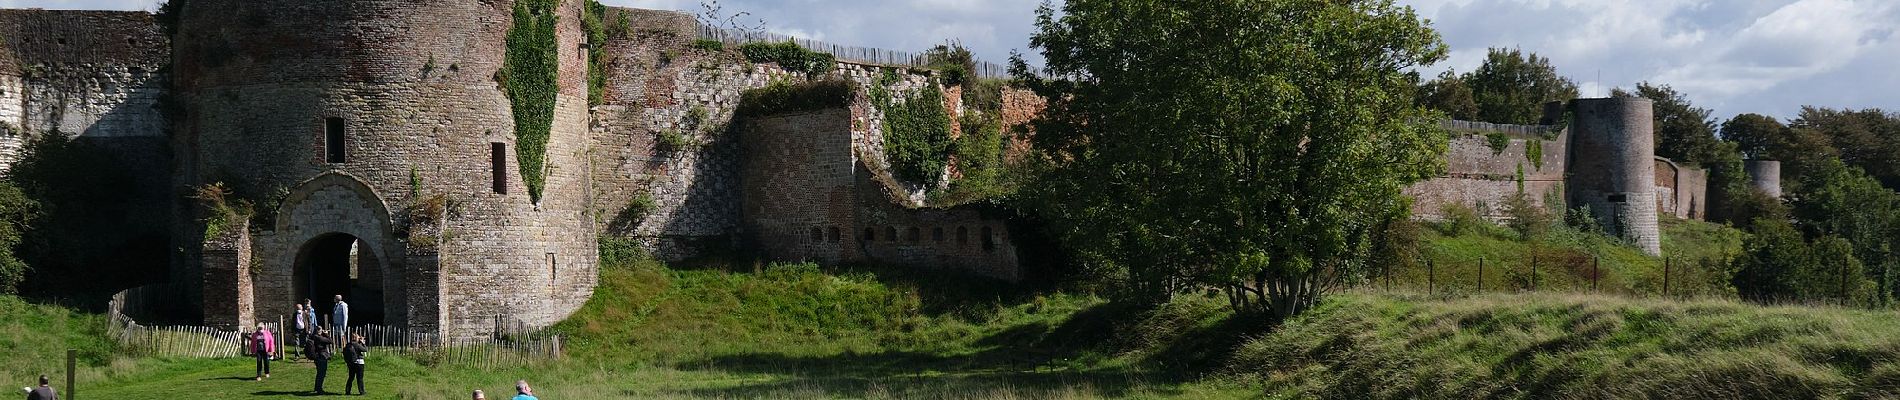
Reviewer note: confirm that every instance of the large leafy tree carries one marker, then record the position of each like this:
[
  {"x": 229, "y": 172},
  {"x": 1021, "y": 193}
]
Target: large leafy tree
[
  {"x": 1799, "y": 150},
  {"x": 1254, "y": 146},
  {"x": 1869, "y": 139},
  {"x": 1449, "y": 94},
  {"x": 1512, "y": 86},
  {"x": 1842, "y": 201}
]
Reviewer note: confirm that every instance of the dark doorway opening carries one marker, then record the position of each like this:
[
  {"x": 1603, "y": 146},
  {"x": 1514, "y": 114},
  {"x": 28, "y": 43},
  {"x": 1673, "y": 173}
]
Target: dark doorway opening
[{"x": 337, "y": 263}]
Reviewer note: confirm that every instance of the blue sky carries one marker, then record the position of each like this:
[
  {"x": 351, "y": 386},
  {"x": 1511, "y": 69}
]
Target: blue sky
[{"x": 1733, "y": 56}]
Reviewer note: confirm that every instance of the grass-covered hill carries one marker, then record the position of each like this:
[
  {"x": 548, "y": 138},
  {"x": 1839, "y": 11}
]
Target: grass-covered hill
[
  {"x": 1553, "y": 346},
  {"x": 803, "y": 331}
]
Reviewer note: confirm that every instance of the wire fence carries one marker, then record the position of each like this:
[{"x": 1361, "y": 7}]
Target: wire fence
[
  {"x": 510, "y": 344},
  {"x": 851, "y": 54},
  {"x": 1669, "y": 277}
]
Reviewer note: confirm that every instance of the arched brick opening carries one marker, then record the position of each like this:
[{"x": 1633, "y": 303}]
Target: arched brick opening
[{"x": 336, "y": 237}]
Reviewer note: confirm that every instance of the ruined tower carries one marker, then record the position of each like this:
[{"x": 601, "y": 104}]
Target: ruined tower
[
  {"x": 1612, "y": 167},
  {"x": 382, "y": 151},
  {"x": 1764, "y": 175}
]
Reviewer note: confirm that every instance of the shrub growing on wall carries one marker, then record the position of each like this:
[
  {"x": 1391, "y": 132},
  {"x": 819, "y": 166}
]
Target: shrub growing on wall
[
  {"x": 16, "y": 210},
  {"x": 530, "y": 75},
  {"x": 916, "y": 131},
  {"x": 790, "y": 56}
]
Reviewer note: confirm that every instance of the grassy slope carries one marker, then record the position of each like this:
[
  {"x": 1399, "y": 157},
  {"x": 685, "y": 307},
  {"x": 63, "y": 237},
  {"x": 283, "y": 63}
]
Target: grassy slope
[
  {"x": 1576, "y": 346},
  {"x": 1566, "y": 260},
  {"x": 790, "y": 331}
]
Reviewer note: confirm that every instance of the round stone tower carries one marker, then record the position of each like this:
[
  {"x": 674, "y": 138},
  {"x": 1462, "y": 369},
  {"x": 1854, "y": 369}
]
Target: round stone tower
[
  {"x": 1612, "y": 167},
  {"x": 1764, "y": 175},
  {"x": 340, "y": 117}
]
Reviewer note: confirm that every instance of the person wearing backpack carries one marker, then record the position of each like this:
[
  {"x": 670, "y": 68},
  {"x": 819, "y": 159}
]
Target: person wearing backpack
[
  {"x": 263, "y": 345},
  {"x": 353, "y": 359}
]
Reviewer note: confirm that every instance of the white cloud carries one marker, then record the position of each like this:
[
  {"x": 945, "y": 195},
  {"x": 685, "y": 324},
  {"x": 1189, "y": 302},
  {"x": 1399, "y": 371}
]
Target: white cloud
[{"x": 1735, "y": 56}]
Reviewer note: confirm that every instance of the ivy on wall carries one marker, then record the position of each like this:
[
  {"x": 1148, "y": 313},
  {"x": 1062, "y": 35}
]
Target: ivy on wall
[
  {"x": 1534, "y": 152},
  {"x": 594, "y": 21},
  {"x": 530, "y": 74},
  {"x": 916, "y": 131}
]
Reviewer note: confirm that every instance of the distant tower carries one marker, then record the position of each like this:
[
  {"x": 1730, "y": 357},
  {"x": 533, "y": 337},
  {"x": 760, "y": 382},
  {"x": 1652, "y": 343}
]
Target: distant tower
[
  {"x": 1612, "y": 167},
  {"x": 1764, "y": 175}
]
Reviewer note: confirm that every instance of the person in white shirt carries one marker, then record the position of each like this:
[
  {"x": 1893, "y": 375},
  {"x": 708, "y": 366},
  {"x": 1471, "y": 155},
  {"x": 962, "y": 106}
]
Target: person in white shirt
[{"x": 340, "y": 318}]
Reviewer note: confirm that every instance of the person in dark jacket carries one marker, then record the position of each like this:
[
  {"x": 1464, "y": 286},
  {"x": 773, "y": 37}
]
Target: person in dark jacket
[
  {"x": 44, "y": 392},
  {"x": 353, "y": 359},
  {"x": 320, "y": 354}
]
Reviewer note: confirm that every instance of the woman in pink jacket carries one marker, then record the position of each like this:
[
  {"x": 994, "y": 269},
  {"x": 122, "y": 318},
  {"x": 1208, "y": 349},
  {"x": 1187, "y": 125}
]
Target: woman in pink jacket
[{"x": 263, "y": 345}]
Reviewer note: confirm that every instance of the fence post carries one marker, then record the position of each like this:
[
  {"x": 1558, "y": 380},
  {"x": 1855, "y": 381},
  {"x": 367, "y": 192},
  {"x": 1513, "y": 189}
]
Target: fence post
[
  {"x": 1533, "y": 272},
  {"x": 1431, "y": 277},
  {"x": 1666, "y": 262},
  {"x": 1596, "y": 272},
  {"x": 1480, "y": 274},
  {"x": 72, "y": 362}
]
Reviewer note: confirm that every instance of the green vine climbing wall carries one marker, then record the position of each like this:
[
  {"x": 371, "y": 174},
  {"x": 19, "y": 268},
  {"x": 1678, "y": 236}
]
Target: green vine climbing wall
[
  {"x": 916, "y": 131},
  {"x": 530, "y": 74}
]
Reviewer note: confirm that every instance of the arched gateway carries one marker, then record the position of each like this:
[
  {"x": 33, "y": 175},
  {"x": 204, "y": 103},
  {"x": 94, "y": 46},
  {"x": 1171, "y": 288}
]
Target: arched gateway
[{"x": 333, "y": 235}]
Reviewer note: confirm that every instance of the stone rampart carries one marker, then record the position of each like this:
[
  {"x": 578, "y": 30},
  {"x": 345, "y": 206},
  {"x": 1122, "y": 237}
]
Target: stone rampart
[{"x": 1481, "y": 175}]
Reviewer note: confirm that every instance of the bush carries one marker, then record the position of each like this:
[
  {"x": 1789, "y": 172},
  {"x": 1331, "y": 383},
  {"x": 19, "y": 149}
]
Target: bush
[
  {"x": 916, "y": 131},
  {"x": 709, "y": 45},
  {"x": 16, "y": 210},
  {"x": 790, "y": 56},
  {"x": 1778, "y": 265},
  {"x": 782, "y": 97}
]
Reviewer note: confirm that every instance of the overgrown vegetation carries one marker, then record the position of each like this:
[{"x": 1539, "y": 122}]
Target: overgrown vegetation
[
  {"x": 1510, "y": 87},
  {"x": 222, "y": 209},
  {"x": 530, "y": 75},
  {"x": 593, "y": 20},
  {"x": 916, "y": 129},
  {"x": 790, "y": 56},
  {"x": 781, "y": 97},
  {"x": 953, "y": 63},
  {"x": 16, "y": 211}
]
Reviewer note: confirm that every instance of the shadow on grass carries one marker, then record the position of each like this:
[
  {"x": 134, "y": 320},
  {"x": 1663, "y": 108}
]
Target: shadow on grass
[
  {"x": 962, "y": 385},
  {"x": 304, "y": 393},
  {"x": 1167, "y": 345}
]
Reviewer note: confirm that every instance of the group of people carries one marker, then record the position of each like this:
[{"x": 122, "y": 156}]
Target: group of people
[
  {"x": 522, "y": 392},
  {"x": 317, "y": 342}
]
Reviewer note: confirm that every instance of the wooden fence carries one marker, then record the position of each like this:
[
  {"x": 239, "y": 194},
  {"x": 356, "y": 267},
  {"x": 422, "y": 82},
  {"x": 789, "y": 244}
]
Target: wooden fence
[
  {"x": 851, "y": 54},
  {"x": 517, "y": 347}
]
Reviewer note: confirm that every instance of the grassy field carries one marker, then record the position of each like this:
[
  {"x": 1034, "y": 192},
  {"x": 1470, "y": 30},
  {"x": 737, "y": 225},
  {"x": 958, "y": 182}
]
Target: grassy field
[
  {"x": 1567, "y": 260},
  {"x": 1556, "y": 346},
  {"x": 800, "y": 331}
]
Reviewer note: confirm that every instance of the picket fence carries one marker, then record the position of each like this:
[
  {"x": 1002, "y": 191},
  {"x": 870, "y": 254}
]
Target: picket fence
[
  {"x": 851, "y": 54},
  {"x": 181, "y": 341}
]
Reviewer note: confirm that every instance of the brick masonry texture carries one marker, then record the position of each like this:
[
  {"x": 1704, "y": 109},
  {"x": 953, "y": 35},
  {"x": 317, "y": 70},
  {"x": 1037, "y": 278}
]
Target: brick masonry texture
[{"x": 251, "y": 86}]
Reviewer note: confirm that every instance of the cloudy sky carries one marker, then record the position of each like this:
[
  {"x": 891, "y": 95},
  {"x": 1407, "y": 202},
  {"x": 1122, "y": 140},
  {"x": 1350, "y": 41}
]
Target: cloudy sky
[{"x": 1733, "y": 56}]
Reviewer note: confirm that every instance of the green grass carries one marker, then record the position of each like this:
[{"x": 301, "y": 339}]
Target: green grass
[
  {"x": 1566, "y": 260},
  {"x": 1556, "y": 346},
  {"x": 775, "y": 331}
]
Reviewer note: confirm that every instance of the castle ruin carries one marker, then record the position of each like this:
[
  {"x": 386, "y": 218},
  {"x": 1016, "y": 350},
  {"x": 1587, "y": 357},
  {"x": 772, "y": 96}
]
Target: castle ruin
[{"x": 383, "y": 156}]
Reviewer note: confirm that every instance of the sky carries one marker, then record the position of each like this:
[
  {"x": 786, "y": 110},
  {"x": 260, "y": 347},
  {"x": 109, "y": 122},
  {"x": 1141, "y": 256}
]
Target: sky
[{"x": 1732, "y": 56}]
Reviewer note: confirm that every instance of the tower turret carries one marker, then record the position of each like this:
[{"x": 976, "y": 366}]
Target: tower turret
[{"x": 1612, "y": 167}]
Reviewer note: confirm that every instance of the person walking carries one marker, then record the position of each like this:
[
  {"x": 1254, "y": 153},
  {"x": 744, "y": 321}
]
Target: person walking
[
  {"x": 320, "y": 354},
  {"x": 340, "y": 319},
  {"x": 303, "y": 329},
  {"x": 353, "y": 359},
  {"x": 43, "y": 392},
  {"x": 263, "y": 345},
  {"x": 523, "y": 392}
]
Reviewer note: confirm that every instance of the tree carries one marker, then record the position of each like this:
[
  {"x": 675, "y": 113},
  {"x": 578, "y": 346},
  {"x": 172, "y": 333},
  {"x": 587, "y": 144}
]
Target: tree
[
  {"x": 1869, "y": 139},
  {"x": 16, "y": 210},
  {"x": 1683, "y": 132},
  {"x": 1511, "y": 87},
  {"x": 1843, "y": 202},
  {"x": 1757, "y": 136},
  {"x": 1253, "y": 146},
  {"x": 1777, "y": 265},
  {"x": 1451, "y": 95}
]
